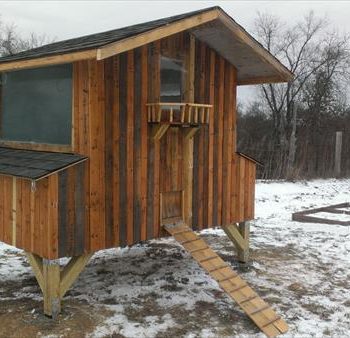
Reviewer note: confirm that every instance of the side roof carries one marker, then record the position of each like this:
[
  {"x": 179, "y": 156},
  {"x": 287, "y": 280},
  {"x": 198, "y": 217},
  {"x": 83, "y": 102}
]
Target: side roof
[
  {"x": 35, "y": 165},
  {"x": 211, "y": 25}
]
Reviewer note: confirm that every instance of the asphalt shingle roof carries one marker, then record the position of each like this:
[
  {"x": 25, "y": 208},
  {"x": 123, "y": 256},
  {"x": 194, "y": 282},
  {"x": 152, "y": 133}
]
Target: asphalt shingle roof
[
  {"x": 34, "y": 165},
  {"x": 97, "y": 40}
]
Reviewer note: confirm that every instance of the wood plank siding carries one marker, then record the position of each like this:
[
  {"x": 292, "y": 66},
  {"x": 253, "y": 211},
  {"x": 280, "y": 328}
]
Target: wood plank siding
[
  {"x": 29, "y": 214},
  {"x": 114, "y": 198}
]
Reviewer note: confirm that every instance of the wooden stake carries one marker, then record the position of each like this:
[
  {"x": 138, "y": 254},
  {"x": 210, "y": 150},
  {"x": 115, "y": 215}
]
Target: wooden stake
[{"x": 337, "y": 159}]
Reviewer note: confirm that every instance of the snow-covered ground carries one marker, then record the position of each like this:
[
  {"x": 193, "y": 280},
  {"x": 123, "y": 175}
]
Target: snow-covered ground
[{"x": 156, "y": 290}]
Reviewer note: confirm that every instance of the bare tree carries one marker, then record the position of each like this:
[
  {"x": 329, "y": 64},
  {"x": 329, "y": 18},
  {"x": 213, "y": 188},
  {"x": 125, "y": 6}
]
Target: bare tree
[
  {"x": 12, "y": 42},
  {"x": 307, "y": 48}
]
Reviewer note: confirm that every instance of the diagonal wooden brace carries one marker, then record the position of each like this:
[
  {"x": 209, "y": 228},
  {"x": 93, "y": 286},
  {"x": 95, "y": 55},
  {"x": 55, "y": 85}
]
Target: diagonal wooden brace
[
  {"x": 54, "y": 282},
  {"x": 159, "y": 131},
  {"x": 239, "y": 235}
]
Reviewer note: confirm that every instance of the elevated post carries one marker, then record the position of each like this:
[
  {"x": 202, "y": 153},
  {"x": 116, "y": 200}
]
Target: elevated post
[
  {"x": 244, "y": 229},
  {"x": 55, "y": 281},
  {"x": 239, "y": 235},
  {"x": 52, "y": 300}
]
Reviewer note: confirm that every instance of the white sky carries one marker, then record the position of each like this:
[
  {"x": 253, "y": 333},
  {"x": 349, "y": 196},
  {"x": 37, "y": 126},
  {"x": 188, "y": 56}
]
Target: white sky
[{"x": 66, "y": 19}]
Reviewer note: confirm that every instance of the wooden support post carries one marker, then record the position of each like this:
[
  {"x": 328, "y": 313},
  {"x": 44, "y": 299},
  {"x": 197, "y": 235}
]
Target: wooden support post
[
  {"x": 244, "y": 229},
  {"x": 36, "y": 263},
  {"x": 72, "y": 271},
  {"x": 239, "y": 235},
  {"x": 53, "y": 282},
  {"x": 187, "y": 169},
  {"x": 52, "y": 300},
  {"x": 337, "y": 156}
]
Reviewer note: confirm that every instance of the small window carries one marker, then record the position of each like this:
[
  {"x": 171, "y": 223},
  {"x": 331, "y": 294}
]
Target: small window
[
  {"x": 171, "y": 80},
  {"x": 36, "y": 105}
]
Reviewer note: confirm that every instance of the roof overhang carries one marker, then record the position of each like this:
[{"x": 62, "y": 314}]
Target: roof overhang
[{"x": 254, "y": 64}]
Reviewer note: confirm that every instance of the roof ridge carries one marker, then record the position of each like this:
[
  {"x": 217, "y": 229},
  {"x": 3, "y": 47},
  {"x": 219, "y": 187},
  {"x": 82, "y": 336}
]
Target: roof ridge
[{"x": 163, "y": 20}]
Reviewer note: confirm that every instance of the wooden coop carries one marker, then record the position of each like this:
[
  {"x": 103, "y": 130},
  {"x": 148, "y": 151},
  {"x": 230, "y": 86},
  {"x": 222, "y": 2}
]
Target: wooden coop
[{"x": 119, "y": 137}]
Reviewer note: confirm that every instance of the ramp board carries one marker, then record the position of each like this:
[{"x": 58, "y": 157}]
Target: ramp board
[{"x": 256, "y": 308}]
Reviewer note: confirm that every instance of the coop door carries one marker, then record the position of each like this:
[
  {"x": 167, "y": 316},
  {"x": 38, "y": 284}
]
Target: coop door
[{"x": 171, "y": 176}]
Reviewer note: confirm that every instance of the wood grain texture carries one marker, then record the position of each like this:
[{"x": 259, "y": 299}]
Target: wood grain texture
[
  {"x": 236, "y": 288},
  {"x": 28, "y": 214},
  {"x": 114, "y": 198}
]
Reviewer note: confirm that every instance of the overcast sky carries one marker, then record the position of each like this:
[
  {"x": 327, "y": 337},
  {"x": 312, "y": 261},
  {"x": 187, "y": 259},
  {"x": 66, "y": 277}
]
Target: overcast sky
[{"x": 66, "y": 19}]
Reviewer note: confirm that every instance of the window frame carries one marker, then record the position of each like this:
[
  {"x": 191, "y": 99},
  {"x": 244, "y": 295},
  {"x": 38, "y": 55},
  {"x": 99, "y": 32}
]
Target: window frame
[
  {"x": 181, "y": 61},
  {"x": 42, "y": 146}
]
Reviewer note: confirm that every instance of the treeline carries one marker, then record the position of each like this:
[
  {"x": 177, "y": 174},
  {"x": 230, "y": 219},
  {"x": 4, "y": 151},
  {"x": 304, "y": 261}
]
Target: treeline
[
  {"x": 12, "y": 41},
  {"x": 291, "y": 127},
  {"x": 315, "y": 144}
]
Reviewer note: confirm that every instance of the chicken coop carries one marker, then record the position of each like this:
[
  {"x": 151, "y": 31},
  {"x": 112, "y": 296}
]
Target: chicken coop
[{"x": 123, "y": 136}]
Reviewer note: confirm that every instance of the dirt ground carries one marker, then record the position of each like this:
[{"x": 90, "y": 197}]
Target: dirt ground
[
  {"x": 156, "y": 290},
  {"x": 21, "y": 304}
]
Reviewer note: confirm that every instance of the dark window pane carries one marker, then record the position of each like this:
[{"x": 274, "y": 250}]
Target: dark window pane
[
  {"x": 171, "y": 71},
  {"x": 37, "y": 105}
]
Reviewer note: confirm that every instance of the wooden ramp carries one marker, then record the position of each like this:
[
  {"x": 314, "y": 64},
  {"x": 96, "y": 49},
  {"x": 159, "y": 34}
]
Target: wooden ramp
[{"x": 257, "y": 309}]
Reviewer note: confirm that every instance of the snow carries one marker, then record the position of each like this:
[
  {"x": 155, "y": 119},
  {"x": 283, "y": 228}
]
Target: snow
[{"x": 156, "y": 290}]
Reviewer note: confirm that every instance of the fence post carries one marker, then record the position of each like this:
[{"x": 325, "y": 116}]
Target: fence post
[{"x": 337, "y": 157}]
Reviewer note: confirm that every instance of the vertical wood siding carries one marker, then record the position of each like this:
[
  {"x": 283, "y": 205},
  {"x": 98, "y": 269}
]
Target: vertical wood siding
[
  {"x": 136, "y": 167},
  {"x": 119, "y": 168},
  {"x": 29, "y": 214},
  {"x": 243, "y": 172},
  {"x": 114, "y": 198},
  {"x": 214, "y": 144},
  {"x": 71, "y": 211}
]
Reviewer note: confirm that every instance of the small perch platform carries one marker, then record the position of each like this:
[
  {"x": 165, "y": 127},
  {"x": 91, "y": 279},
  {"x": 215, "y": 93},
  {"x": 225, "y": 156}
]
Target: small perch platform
[{"x": 304, "y": 216}]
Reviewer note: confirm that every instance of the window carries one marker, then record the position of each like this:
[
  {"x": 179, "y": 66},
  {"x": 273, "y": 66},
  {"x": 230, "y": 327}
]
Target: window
[
  {"x": 171, "y": 80},
  {"x": 36, "y": 105}
]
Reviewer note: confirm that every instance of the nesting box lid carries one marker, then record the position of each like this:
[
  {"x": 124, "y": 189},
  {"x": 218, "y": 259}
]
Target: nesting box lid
[{"x": 35, "y": 165}]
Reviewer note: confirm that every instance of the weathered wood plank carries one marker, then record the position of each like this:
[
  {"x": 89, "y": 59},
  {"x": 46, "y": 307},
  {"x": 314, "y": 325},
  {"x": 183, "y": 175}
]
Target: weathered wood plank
[
  {"x": 19, "y": 211},
  {"x": 7, "y": 213},
  {"x": 42, "y": 200},
  {"x": 188, "y": 141},
  {"x": 201, "y": 135},
  {"x": 116, "y": 150},
  {"x": 211, "y": 138},
  {"x": 143, "y": 141},
  {"x": 137, "y": 183},
  {"x": 52, "y": 227},
  {"x": 122, "y": 149},
  {"x": 80, "y": 210},
  {"x": 227, "y": 145},
  {"x": 220, "y": 136},
  {"x": 63, "y": 247},
  {"x": 109, "y": 148},
  {"x": 97, "y": 155},
  {"x": 130, "y": 147}
]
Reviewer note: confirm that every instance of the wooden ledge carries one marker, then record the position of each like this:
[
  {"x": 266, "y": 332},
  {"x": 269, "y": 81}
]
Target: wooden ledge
[{"x": 179, "y": 113}]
